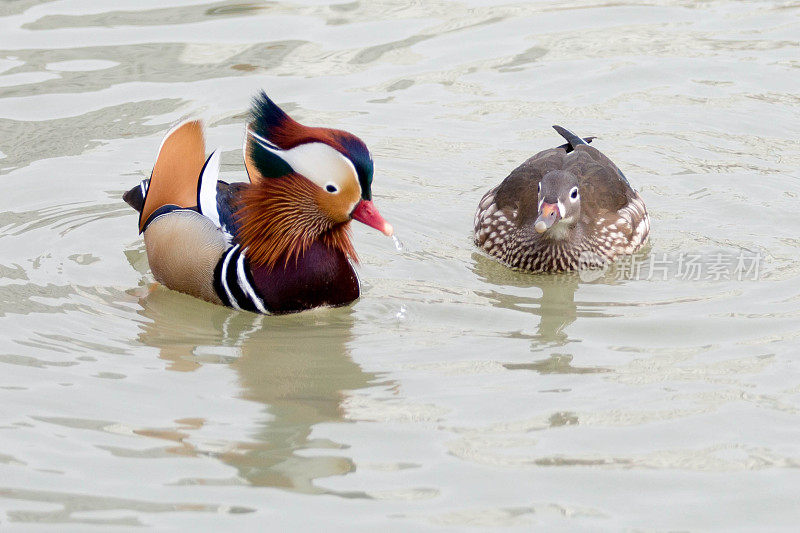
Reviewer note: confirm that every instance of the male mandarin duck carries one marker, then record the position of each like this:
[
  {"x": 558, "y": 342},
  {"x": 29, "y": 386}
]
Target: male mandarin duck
[
  {"x": 563, "y": 209},
  {"x": 278, "y": 244}
]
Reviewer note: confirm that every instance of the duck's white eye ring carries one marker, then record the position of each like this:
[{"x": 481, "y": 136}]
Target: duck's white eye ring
[
  {"x": 331, "y": 188},
  {"x": 573, "y": 194}
]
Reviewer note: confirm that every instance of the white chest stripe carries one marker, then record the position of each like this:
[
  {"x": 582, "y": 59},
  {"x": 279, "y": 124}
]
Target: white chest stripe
[
  {"x": 245, "y": 285},
  {"x": 224, "y": 281}
]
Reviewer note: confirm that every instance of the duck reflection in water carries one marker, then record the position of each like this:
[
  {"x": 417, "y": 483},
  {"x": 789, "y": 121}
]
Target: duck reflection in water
[
  {"x": 297, "y": 366},
  {"x": 555, "y": 307}
]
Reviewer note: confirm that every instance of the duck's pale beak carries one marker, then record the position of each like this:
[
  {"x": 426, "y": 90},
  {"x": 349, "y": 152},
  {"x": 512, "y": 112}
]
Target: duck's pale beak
[
  {"x": 366, "y": 213},
  {"x": 548, "y": 215}
]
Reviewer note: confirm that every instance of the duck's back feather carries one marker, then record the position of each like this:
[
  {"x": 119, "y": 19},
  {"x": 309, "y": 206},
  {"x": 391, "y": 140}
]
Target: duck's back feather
[
  {"x": 602, "y": 186},
  {"x": 228, "y": 202}
]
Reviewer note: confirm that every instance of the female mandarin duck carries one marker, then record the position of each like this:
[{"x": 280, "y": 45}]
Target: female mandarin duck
[
  {"x": 563, "y": 209},
  {"x": 278, "y": 244}
]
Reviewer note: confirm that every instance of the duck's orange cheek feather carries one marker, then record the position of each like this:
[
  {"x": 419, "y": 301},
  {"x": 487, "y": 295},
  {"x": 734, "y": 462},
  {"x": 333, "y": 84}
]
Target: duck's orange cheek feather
[{"x": 337, "y": 207}]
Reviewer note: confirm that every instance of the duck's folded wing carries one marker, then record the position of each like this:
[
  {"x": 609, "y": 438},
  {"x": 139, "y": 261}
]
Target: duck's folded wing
[{"x": 180, "y": 161}]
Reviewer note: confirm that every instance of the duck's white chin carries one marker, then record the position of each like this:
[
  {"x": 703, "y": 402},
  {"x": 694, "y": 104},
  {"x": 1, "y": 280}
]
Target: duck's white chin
[{"x": 561, "y": 229}]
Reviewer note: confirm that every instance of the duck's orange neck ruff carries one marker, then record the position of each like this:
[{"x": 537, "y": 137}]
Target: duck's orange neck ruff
[{"x": 280, "y": 219}]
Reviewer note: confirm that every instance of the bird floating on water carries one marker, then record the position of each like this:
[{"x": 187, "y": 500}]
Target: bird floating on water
[
  {"x": 563, "y": 209},
  {"x": 279, "y": 243}
]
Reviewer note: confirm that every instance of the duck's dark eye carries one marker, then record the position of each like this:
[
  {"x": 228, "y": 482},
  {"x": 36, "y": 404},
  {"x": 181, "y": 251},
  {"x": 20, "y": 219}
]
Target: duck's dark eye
[
  {"x": 574, "y": 193},
  {"x": 331, "y": 188}
]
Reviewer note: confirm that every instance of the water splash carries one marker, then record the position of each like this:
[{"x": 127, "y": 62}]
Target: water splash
[{"x": 397, "y": 244}]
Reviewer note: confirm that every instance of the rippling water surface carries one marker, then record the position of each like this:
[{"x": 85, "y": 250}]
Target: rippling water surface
[{"x": 454, "y": 393}]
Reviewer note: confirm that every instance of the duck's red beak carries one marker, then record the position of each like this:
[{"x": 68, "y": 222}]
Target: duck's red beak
[{"x": 366, "y": 213}]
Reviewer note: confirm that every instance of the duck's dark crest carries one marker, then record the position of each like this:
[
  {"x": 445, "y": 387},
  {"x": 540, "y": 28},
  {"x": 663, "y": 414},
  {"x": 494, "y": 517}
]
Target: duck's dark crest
[
  {"x": 267, "y": 118},
  {"x": 264, "y": 157},
  {"x": 267, "y": 134}
]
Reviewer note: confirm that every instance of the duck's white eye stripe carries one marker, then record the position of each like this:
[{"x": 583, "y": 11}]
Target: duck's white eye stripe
[
  {"x": 263, "y": 142},
  {"x": 320, "y": 163},
  {"x": 317, "y": 161}
]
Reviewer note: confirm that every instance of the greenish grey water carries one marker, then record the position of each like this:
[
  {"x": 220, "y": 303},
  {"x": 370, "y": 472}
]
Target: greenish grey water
[{"x": 454, "y": 393}]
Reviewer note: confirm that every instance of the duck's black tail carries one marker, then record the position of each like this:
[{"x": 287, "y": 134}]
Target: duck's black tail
[
  {"x": 135, "y": 196},
  {"x": 573, "y": 141}
]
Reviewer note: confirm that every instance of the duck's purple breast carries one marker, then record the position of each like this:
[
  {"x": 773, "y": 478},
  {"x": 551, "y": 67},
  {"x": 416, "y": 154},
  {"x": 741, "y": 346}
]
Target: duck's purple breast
[{"x": 322, "y": 276}]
